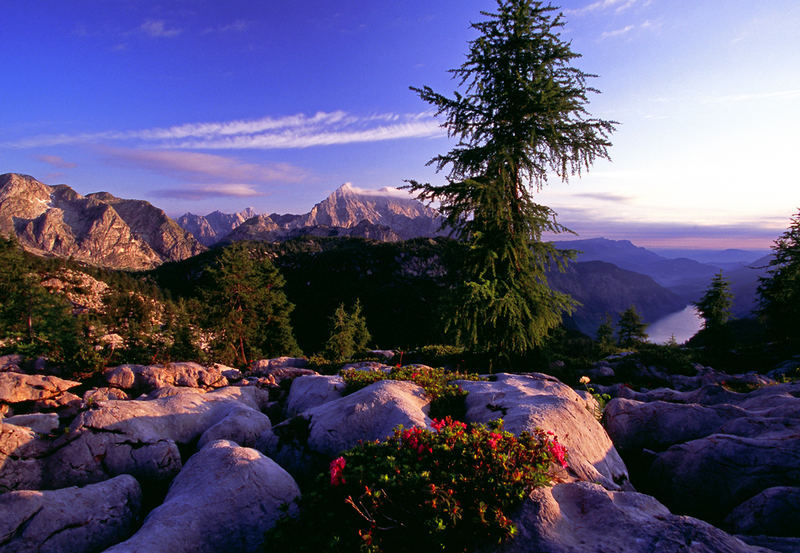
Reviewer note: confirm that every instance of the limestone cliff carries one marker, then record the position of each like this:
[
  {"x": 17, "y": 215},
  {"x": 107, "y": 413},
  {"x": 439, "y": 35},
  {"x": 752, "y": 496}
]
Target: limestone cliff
[
  {"x": 348, "y": 206},
  {"x": 100, "y": 229}
]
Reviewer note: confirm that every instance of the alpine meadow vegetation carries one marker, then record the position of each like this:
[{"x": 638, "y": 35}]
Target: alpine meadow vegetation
[{"x": 520, "y": 115}]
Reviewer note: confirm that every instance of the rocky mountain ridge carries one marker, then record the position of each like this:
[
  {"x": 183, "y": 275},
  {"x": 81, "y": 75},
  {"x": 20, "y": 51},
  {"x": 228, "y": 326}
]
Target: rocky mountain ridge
[
  {"x": 210, "y": 228},
  {"x": 380, "y": 215},
  {"x": 98, "y": 228}
]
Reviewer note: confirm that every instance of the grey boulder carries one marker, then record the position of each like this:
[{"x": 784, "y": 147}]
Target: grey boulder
[
  {"x": 581, "y": 517},
  {"x": 527, "y": 402},
  {"x": 70, "y": 520},
  {"x": 310, "y": 391},
  {"x": 137, "y": 437},
  {"x": 223, "y": 501},
  {"x": 371, "y": 413}
]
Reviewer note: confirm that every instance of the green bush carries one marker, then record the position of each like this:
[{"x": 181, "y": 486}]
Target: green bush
[
  {"x": 323, "y": 365},
  {"x": 446, "y": 398},
  {"x": 436, "y": 355},
  {"x": 443, "y": 490},
  {"x": 673, "y": 358}
]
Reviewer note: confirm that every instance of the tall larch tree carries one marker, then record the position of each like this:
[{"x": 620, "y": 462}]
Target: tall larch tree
[
  {"x": 519, "y": 117},
  {"x": 779, "y": 291}
]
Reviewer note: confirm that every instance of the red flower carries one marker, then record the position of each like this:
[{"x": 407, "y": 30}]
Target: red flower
[
  {"x": 558, "y": 451},
  {"x": 337, "y": 466}
]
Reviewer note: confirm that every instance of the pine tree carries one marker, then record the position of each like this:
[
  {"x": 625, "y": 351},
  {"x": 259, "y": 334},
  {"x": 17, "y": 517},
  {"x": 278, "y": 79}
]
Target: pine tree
[
  {"x": 605, "y": 333},
  {"x": 631, "y": 328},
  {"x": 521, "y": 114},
  {"x": 715, "y": 305},
  {"x": 349, "y": 334},
  {"x": 248, "y": 312},
  {"x": 715, "y": 308},
  {"x": 358, "y": 321},
  {"x": 779, "y": 291}
]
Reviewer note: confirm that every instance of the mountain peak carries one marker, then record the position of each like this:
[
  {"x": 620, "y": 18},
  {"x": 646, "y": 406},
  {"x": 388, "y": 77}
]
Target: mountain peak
[{"x": 100, "y": 228}]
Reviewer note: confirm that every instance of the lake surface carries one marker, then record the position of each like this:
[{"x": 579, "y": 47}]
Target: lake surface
[{"x": 681, "y": 324}]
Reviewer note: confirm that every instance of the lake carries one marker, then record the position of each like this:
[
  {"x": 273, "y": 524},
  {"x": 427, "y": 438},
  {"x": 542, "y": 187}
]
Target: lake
[{"x": 682, "y": 324}]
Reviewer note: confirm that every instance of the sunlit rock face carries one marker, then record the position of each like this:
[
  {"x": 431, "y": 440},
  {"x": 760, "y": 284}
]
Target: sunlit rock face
[
  {"x": 385, "y": 215},
  {"x": 348, "y": 206},
  {"x": 210, "y": 229},
  {"x": 100, "y": 229}
]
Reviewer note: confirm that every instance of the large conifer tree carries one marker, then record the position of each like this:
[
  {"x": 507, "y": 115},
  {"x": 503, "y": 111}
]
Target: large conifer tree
[
  {"x": 520, "y": 116},
  {"x": 248, "y": 312},
  {"x": 779, "y": 291}
]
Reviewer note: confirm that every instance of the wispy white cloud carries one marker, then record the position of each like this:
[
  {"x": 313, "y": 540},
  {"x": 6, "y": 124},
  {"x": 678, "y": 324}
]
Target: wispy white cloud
[
  {"x": 157, "y": 28},
  {"x": 650, "y": 24},
  {"x": 305, "y": 138},
  {"x": 206, "y": 167},
  {"x": 617, "y": 32},
  {"x": 238, "y": 26},
  {"x": 204, "y": 191},
  {"x": 605, "y": 197},
  {"x": 602, "y": 5},
  {"x": 206, "y": 175},
  {"x": 288, "y": 132},
  {"x": 56, "y": 161},
  {"x": 386, "y": 191},
  {"x": 646, "y": 25}
]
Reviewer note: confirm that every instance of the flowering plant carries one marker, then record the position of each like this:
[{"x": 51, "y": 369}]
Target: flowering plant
[
  {"x": 600, "y": 398},
  {"x": 445, "y": 489}
]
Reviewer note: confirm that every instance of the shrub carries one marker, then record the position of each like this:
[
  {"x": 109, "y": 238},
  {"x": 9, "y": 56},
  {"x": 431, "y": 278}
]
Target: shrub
[
  {"x": 323, "y": 365},
  {"x": 446, "y": 398},
  {"x": 442, "y": 490},
  {"x": 435, "y": 355},
  {"x": 672, "y": 358}
]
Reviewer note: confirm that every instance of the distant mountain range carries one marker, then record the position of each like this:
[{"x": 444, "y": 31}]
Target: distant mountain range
[
  {"x": 209, "y": 229},
  {"x": 686, "y": 278},
  {"x": 103, "y": 230},
  {"x": 376, "y": 214},
  {"x": 604, "y": 289},
  {"x": 99, "y": 228}
]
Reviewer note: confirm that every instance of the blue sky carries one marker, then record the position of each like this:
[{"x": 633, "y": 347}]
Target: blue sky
[{"x": 199, "y": 105}]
